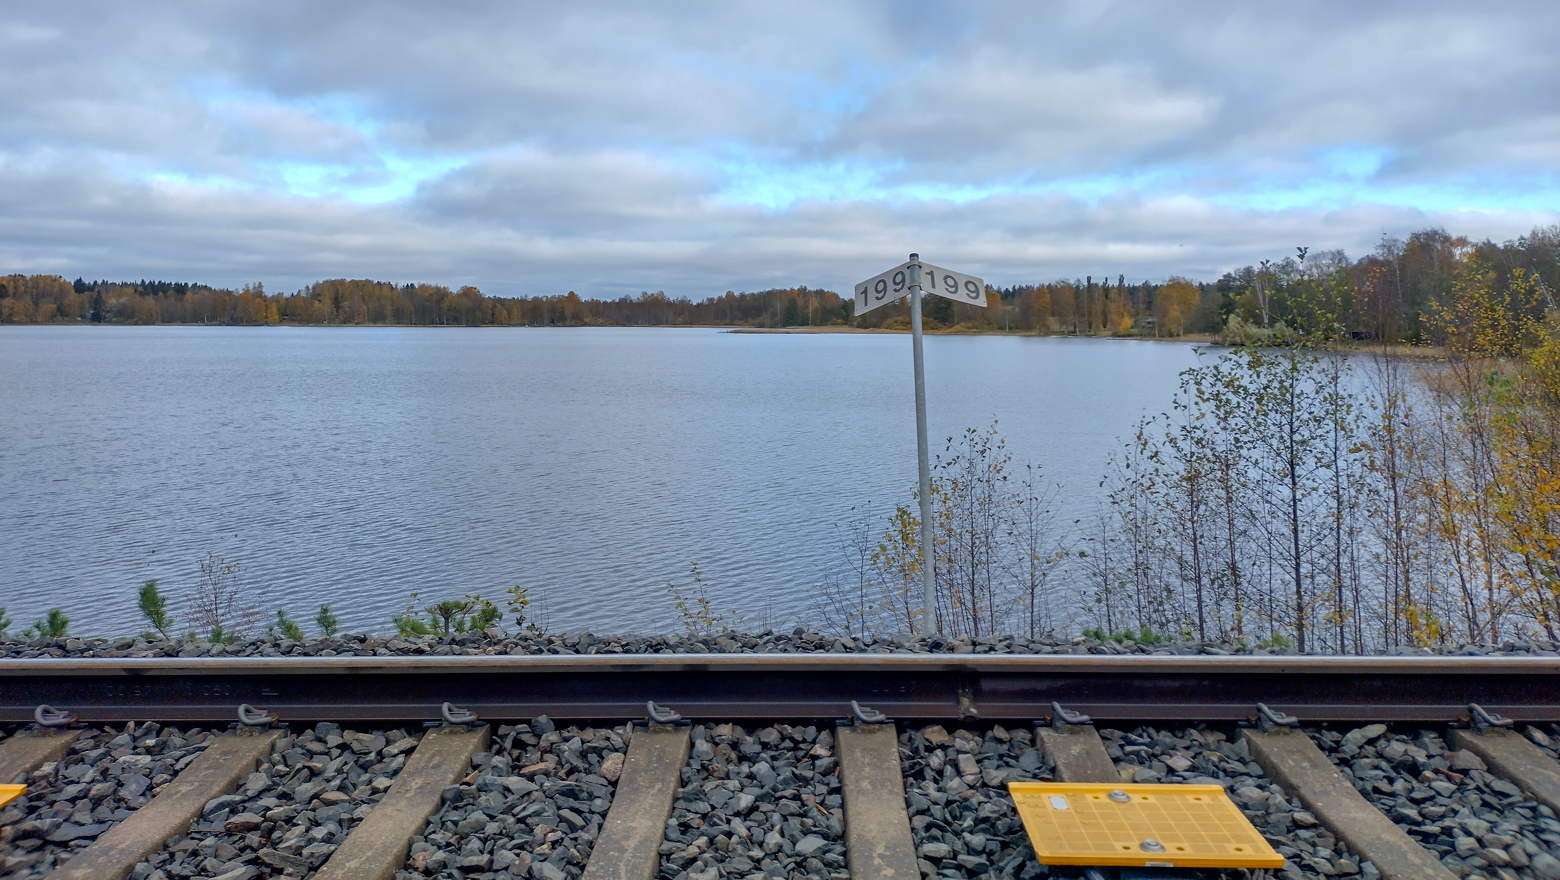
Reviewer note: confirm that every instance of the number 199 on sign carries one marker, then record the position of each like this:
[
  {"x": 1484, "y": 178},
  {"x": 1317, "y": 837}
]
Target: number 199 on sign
[{"x": 893, "y": 285}]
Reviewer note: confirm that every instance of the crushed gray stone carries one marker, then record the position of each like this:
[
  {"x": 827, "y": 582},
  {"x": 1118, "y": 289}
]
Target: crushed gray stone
[
  {"x": 1479, "y": 825},
  {"x": 799, "y": 640},
  {"x": 762, "y": 803},
  {"x": 532, "y": 806},
  {"x": 289, "y": 816},
  {"x": 107, "y": 774},
  {"x": 962, "y": 820}
]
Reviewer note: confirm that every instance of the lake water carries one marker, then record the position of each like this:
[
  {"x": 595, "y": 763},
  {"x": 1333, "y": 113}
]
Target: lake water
[{"x": 356, "y": 465}]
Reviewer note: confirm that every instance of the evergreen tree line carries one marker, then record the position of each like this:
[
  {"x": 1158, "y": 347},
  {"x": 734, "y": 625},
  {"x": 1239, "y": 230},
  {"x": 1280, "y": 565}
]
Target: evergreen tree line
[
  {"x": 1385, "y": 296},
  {"x": 1309, "y": 493}
]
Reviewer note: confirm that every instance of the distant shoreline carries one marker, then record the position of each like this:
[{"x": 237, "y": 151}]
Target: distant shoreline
[
  {"x": 1396, "y": 350},
  {"x": 1195, "y": 338},
  {"x": 1199, "y": 338}
]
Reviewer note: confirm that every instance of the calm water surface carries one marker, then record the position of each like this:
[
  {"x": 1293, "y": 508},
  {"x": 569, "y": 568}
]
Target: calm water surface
[{"x": 356, "y": 465}]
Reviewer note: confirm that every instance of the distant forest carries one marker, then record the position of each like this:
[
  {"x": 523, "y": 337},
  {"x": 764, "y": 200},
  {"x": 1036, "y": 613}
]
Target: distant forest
[{"x": 1388, "y": 295}]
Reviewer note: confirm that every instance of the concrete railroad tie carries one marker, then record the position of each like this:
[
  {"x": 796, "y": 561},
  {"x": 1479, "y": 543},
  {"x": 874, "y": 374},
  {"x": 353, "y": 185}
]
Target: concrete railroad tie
[
  {"x": 877, "y": 824},
  {"x": 1294, "y": 762},
  {"x": 31, "y": 749},
  {"x": 1077, "y": 754},
  {"x": 224, "y": 764},
  {"x": 630, "y": 841},
  {"x": 377, "y": 848},
  {"x": 1508, "y": 754}
]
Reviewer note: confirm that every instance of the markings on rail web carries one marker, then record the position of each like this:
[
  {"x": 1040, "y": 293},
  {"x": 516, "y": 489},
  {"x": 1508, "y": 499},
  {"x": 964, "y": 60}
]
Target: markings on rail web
[
  {"x": 1166, "y": 826},
  {"x": 176, "y": 689},
  {"x": 894, "y": 285}
]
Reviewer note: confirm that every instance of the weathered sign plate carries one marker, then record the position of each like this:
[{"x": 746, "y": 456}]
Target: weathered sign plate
[
  {"x": 956, "y": 286},
  {"x": 894, "y": 285},
  {"x": 880, "y": 290}
]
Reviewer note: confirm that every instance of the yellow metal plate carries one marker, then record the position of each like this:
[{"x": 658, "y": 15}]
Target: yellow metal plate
[
  {"x": 10, "y": 793},
  {"x": 1179, "y": 826}
]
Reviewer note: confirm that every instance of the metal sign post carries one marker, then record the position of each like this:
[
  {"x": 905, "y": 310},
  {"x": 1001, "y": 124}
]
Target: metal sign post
[
  {"x": 892, "y": 286},
  {"x": 923, "y": 460}
]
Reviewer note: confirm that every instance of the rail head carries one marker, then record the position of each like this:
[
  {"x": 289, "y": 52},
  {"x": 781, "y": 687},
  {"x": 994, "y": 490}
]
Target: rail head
[{"x": 1031, "y": 664}]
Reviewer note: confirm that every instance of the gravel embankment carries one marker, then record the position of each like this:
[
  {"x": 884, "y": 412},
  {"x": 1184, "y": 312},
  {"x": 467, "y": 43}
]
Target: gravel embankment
[
  {"x": 1479, "y": 825},
  {"x": 494, "y": 642},
  {"x": 760, "y": 804},
  {"x": 532, "y": 807},
  {"x": 108, "y": 773},
  {"x": 961, "y": 817},
  {"x": 765, "y": 803}
]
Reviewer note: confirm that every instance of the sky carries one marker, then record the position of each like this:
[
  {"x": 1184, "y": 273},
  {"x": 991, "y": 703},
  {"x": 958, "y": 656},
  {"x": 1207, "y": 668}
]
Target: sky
[{"x": 609, "y": 148}]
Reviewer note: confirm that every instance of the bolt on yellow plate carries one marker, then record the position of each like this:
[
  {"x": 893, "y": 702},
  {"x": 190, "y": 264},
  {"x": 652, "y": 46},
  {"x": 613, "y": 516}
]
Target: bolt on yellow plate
[
  {"x": 10, "y": 793},
  {"x": 1169, "y": 826}
]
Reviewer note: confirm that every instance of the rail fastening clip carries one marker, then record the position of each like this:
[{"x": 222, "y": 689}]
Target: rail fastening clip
[
  {"x": 451, "y": 715},
  {"x": 1481, "y": 719},
  {"x": 660, "y": 714},
  {"x": 1267, "y": 719},
  {"x": 1061, "y": 718},
  {"x": 50, "y": 717},
  {"x": 865, "y": 715},
  {"x": 249, "y": 716}
]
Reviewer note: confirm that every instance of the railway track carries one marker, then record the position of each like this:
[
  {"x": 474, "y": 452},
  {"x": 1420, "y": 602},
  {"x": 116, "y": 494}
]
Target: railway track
[
  {"x": 557, "y": 772},
  {"x": 757, "y": 686}
]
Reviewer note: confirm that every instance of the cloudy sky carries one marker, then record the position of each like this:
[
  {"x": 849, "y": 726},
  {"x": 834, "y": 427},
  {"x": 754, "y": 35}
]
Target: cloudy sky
[{"x": 611, "y": 148}]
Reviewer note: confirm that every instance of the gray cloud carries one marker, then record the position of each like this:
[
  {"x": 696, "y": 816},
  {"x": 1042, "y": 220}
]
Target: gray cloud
[{"x": 610, "y": 148}]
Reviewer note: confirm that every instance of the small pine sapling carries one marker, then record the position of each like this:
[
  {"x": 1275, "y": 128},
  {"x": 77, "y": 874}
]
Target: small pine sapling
[
  {"x": 155, "y": 609},
  {"x": 443, "y": 615},
  {"x": 54, "y": 625},
  {"x": 327, "y": 622},
  {"x": 286, "y": 627},
  {"x": 4, "y": 622}
]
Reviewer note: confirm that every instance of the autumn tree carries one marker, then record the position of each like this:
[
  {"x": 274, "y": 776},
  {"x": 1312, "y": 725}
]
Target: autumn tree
[{"x": 1173, "y": 303}]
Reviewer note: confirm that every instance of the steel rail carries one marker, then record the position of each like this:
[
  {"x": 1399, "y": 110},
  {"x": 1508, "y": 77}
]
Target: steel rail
[{"x": 752, "y": 686}]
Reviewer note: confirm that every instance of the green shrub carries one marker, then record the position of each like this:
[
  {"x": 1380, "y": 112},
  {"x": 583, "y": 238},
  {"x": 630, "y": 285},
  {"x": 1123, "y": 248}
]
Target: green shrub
[
  {"x": 519, "y": 601},
  {"x": 448, "y": 617},
  {"x": 484, "y": 615},
  {"x": 1148, "y": 636},
  {"x": 1276, "y": 641},
  {"x": 408, "y": 626},
  {"x": 693, "y": 606}
]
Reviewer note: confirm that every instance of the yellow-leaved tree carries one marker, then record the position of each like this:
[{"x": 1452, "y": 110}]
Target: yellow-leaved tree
[{"x": 1173, "y": 302}]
